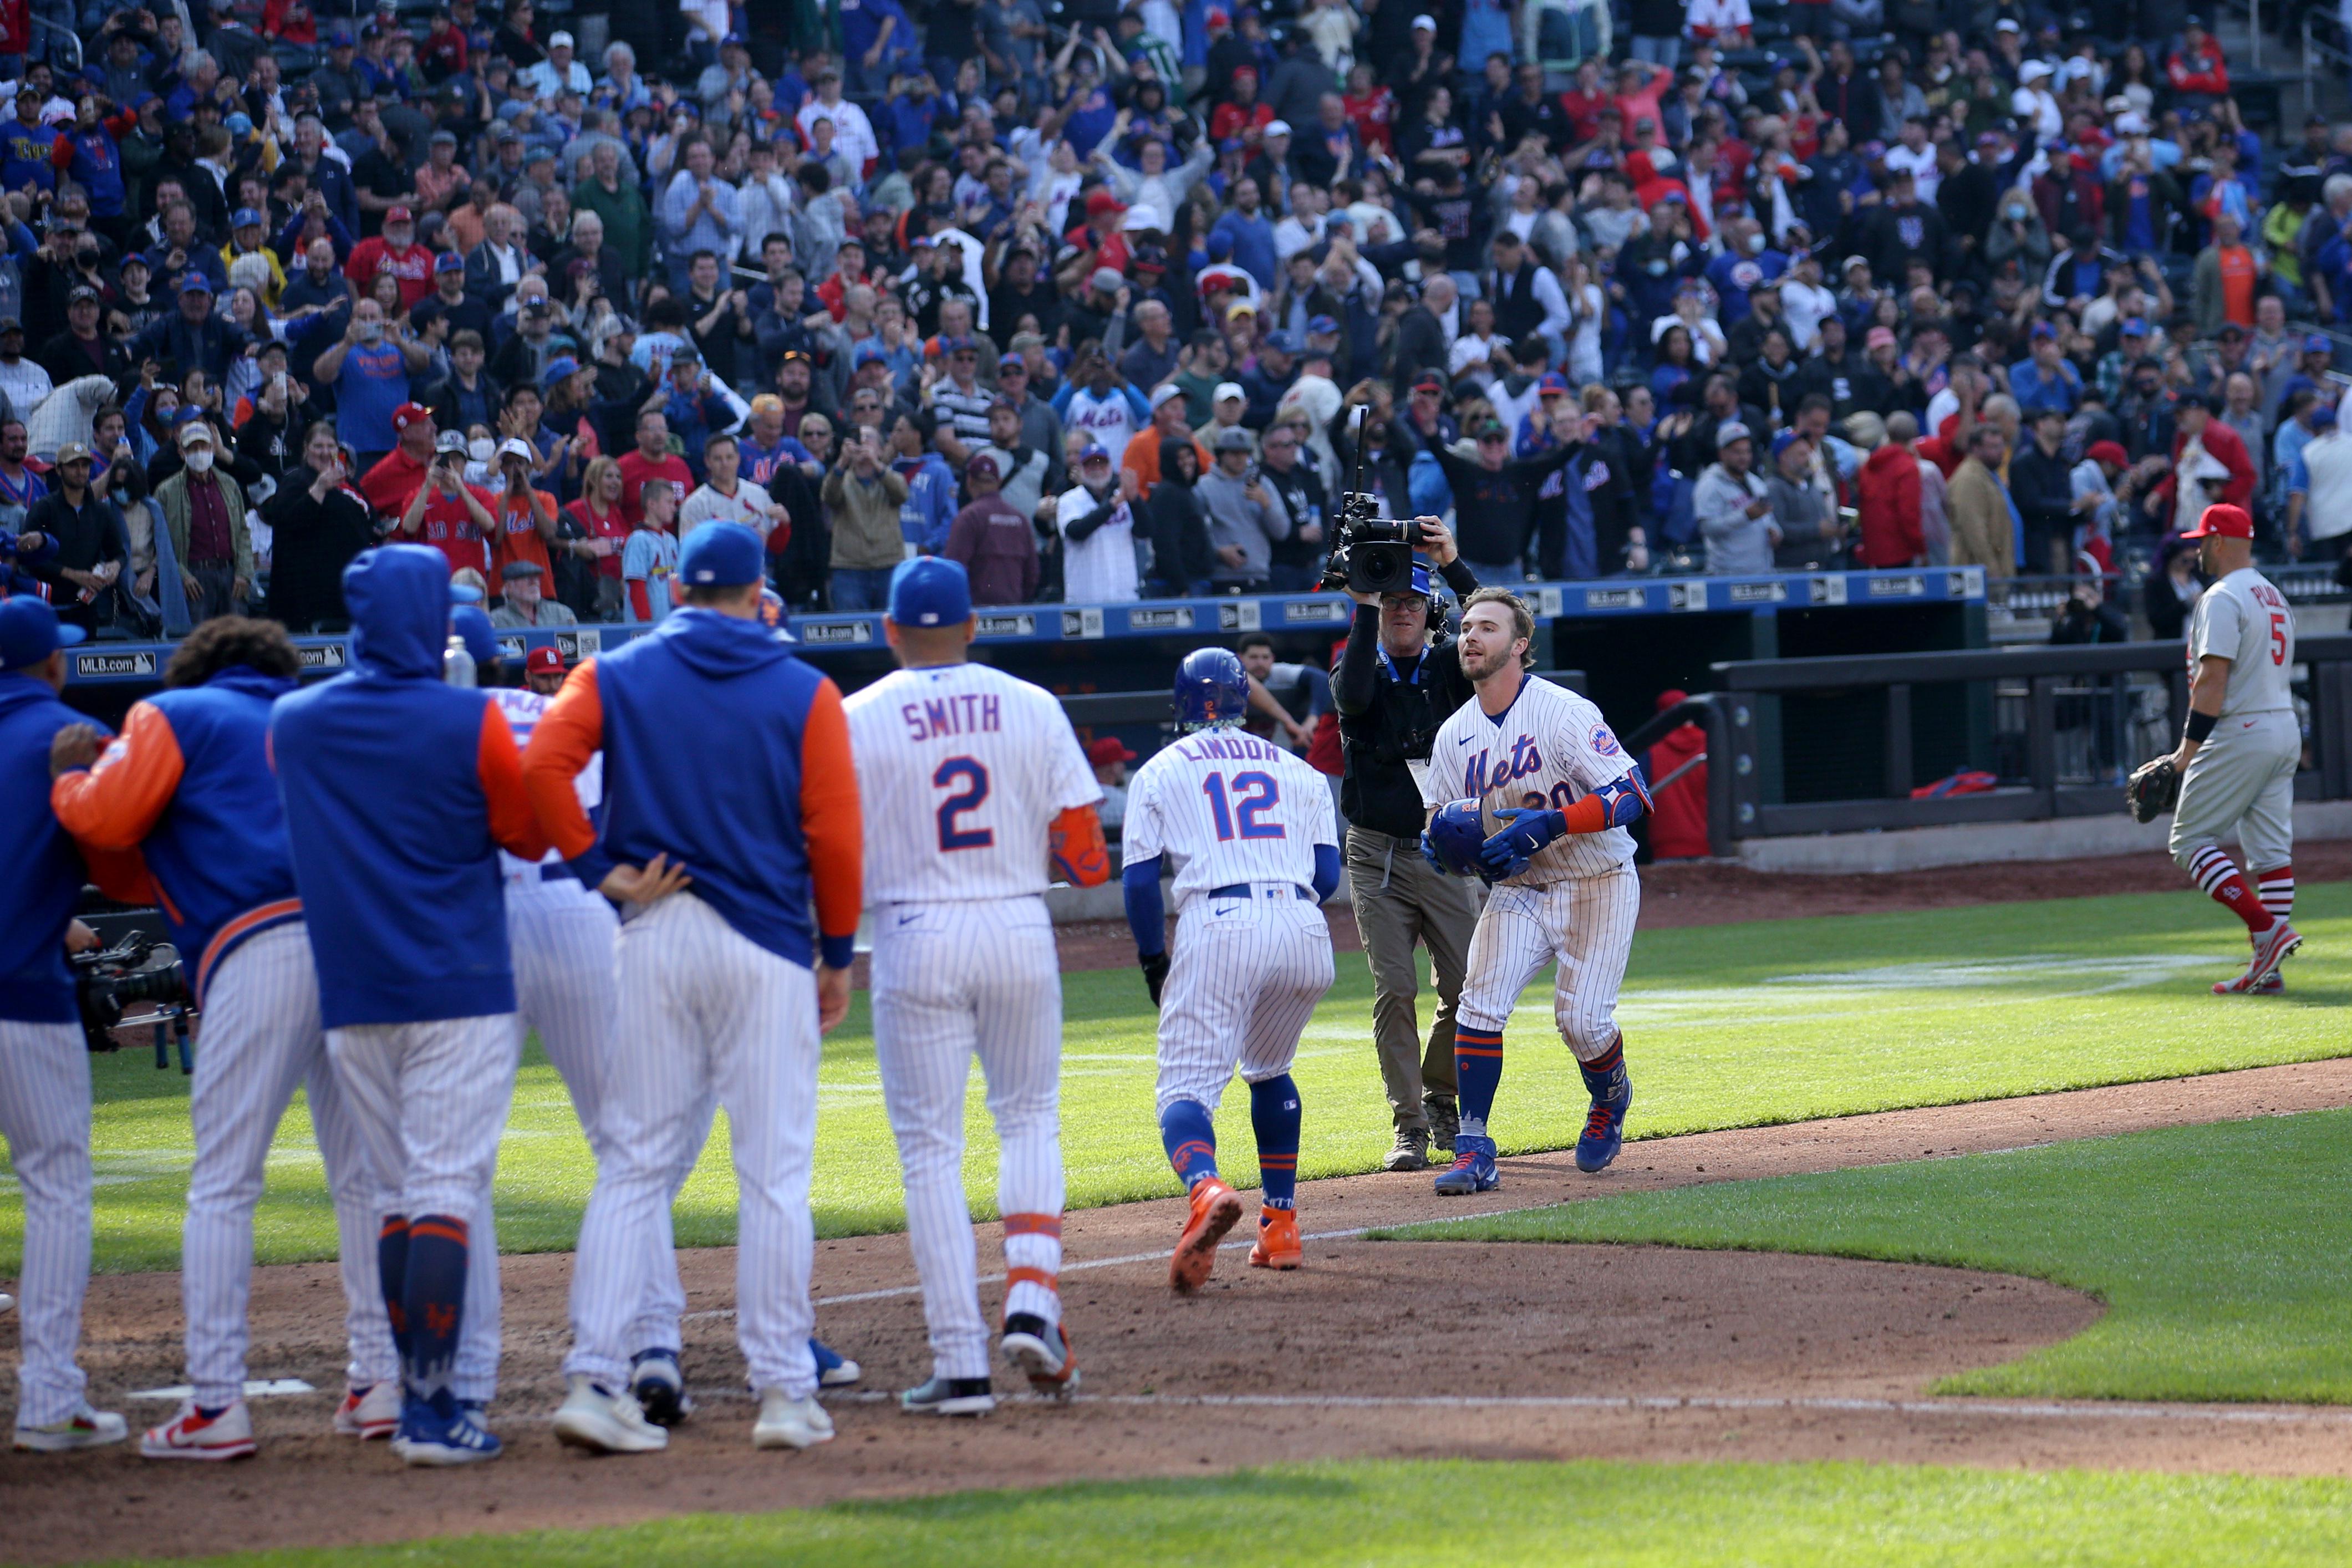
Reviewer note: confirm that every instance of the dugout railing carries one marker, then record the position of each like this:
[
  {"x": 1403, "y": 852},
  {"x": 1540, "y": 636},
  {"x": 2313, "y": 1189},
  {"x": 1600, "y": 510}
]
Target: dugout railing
[{"x": 1980, "y": 735}]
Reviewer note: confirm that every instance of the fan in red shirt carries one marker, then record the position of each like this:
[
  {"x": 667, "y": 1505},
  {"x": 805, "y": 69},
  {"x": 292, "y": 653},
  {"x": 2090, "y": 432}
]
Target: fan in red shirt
[
  {"x": 651, "y": 459},
  {"x": 1584, "y": 103},
  {"x": 447, "y": 513},
  {"x": 395, "y": 251},
  {"x": 391, "y": 484},
  {"x": 526, "y": 516},
  {"x": 2196, "y": 66},
  {"x": 1677, "y": 810},
  {"x": 2195, "y": 421},
  {"x": 443, "y": 53},
  {"x": 1373, "y": 111},
  {"x": 1243, "y": 112}
]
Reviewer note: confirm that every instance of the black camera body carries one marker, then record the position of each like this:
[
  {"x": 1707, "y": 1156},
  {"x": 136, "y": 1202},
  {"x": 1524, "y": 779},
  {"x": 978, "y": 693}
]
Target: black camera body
[
  {"x": 1371, "y": 554},
  {"x": 137, "y": 972}
]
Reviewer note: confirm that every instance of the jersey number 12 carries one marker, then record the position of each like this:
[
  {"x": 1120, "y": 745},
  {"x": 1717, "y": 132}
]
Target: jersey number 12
[{"x": 1253, "y": 794}]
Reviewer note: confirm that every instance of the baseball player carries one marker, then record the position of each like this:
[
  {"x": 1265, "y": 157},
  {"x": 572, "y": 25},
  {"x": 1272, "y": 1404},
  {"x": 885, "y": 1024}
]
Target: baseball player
[
  {"x": 1562, "y": 866},
  {"x": 188, "y": 785},
  {"x": 43, "y": 1064},
  {"x": 399, "y": 790},
  {"x": 1250, "y": 828},
  {"x": 968, "y": 780},
  {"x": 726, "y": 978},
  {"x": 2240, "y": 746}
]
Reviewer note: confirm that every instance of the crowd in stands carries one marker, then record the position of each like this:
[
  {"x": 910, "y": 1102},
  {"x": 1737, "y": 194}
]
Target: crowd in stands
[{"x": 1117, "y": 306}]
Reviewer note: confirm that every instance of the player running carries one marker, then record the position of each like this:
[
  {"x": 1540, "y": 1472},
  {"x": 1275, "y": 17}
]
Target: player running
[
  {"x": 968, "y": 781},
  {"x": 1544, "y": 762},
  {"x": 187, "y": 784},
  {"x": 400, "y": 790},
  {"x": 1250, "y": 828},
  {"x": 2240, "y": 747},
  {"x": 726, "y": 976}
]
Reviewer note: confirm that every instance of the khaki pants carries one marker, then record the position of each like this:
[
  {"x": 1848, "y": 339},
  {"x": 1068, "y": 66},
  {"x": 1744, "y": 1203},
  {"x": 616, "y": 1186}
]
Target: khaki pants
[{"x": 1402, "y": 899}]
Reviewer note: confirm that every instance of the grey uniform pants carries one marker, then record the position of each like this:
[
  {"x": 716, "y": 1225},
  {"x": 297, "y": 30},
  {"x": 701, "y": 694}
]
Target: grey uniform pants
[
  {"x": 1402, "y": 899},
  {"x": 2242, "y": 777}
]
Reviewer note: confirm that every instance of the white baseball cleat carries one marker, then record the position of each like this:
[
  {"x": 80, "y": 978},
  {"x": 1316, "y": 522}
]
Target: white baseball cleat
[
  {"x": 788, "y": 1423},
  {"x": 191, "y": 1435},
  {"x": 8, "y": 1302},
  {"x": 372, "y": 1412},
  {"x": 605, "y": 1423},
  {"x": 85, "y": 1428}
]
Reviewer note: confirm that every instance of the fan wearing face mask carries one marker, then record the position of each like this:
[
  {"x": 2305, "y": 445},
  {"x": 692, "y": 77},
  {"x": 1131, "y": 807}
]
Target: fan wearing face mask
[{"x": 206, "y": 510}]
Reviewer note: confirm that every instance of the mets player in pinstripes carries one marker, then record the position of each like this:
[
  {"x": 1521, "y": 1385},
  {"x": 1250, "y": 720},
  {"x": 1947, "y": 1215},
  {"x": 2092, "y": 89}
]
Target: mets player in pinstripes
[
  {"x": 1529, "y": 789},
  {"x": 968, "y": 781},
  {"x": 744, "y": 865},
  {"x": 187, "y": 784},
  {"x": 44, "y": 1063},
  {"x": 1250, "y": 829}
]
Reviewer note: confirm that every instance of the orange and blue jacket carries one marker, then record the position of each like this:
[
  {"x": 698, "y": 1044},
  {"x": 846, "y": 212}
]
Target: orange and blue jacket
[
  {"x": 729, "y": 755},
  {"x": 187, "y": 784},
  {"x": 399, "y": 793}
]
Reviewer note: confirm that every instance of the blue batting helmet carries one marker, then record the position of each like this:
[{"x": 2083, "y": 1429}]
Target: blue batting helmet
[
  {"x": 1211, "y": 688},
  {"x": 1456, "y": 835}
]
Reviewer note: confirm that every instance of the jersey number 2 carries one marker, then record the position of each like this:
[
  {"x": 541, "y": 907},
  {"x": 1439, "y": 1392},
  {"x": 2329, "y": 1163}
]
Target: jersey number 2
[
  {"x": 1253, "y": 794},
  {"x": 968, "y": 781},
  {"x": 2278, "y": 637}
]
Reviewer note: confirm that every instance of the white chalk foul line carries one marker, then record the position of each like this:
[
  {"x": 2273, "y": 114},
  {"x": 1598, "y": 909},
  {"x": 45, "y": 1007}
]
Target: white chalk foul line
[{"x": 894, "y": 1292}]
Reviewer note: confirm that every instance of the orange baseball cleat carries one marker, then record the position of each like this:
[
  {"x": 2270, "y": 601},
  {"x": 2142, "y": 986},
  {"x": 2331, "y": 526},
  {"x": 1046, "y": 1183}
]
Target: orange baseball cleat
[
  {"x": 1216, "y": 1209},
  {"x": 1276, "y": 1246}
]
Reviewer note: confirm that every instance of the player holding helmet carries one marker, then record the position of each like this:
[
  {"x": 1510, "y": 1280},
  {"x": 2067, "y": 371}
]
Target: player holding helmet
[{"x": 1250, "y": 828}]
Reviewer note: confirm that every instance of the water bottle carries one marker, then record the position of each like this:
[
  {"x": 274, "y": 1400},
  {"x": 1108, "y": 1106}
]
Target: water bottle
[{"x": 456, "y": 664}]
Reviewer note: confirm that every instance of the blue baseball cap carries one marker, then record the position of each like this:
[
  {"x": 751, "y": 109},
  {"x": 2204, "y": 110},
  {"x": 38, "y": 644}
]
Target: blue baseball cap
[
  {"x": 720, "y": 556},
  {"x": 557, "y": 369},
  {"x": 2318, "y": 343},
  {"x": 245, "y": 218},
  {"x": 1322, "y": 324},
  {"x": 449, "y": 261},
  {"x": 1282, "y": 342},
  {"x": 865, "y": 355},
  {"x": 1784, "y": 440},
  {"x": 464, "y": 592},
  {"x": 1552, "y": 382},
  {"x": 2045, "y": 330},
  {"x": 2135, "y": 328},
  {"x": 2322, "y": 418},
  {"x": 1094, "y": 451},
  {"x": 30, "y": 632},
  {"x": 472, "y": 623},
  {"x": 931, "y": 591}
]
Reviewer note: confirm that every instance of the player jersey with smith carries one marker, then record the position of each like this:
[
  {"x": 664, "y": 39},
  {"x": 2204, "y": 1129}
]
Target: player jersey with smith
[
  {"x": 2244, "y": 619},
  {"x": 962, "y": 770},
  {"x": 1546, "y": 750},
  {"x": 1231, "y": 809}
]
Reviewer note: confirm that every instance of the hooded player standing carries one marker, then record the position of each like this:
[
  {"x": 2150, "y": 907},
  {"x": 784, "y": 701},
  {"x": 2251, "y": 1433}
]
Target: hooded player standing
[
  {"x": 1562, "y": 866},
  {"x": 400, "y": 791},
  {"x": 1250, "y": 828},
  {"x": 969, "y": 779},
  {"x": 2240, "y": 746}
]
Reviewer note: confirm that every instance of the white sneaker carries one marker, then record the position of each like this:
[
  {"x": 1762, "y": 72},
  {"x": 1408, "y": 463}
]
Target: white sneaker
[
  {"x": 605, "y": 1423},
  {"x": 8, "y": 1302},
  {"x": 372, "y": 1412},
  {"x": 85, "y": 1428},
  {"x": 189, "y": 1435},
  {"x": 788, "y": 1423}
]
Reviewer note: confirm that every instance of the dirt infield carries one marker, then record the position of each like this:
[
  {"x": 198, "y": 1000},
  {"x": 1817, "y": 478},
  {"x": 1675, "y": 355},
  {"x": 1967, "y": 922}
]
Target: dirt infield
[
  {"x": 1374, "y": 1349},
  {"x": 1706, "y": 893}
]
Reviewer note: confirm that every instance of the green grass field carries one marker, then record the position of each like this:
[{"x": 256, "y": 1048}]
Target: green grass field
[
  {"x": 1497, "y": 1515},
  {"x": 2220, "y": 1250},
  {"x": 1727, "y": 1025}
]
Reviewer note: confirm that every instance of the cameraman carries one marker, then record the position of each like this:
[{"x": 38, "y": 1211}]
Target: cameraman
[
  {"x": 1394, "y": 686},
  {"x": 44, "y": 1063},
  {"x": 188, "y": 785}
]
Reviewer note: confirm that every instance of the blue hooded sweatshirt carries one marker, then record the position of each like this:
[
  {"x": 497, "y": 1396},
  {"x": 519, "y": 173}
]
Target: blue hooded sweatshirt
[
  {"x": 399, "y": 793},
  {"x": 45, "y": 871}
]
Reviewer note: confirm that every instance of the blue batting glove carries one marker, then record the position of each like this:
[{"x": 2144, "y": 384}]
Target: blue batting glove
[
  {"x": 1525, "y": 832},
  {"x": 1429, "y": 850}
]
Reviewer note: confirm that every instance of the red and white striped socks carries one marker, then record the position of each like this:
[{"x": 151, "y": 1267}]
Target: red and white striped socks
[
  {"x": 2219, "y": 878},
  {"x": 2277, "y": 890}
]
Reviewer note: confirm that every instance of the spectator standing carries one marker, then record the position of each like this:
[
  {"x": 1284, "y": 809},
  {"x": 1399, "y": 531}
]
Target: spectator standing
[
  {"x": 1733, "y": 509},
  {"x": 699, "y": 211},
  {"x": 1983, "y": 527},
  {"x": 1095, "y": 523},
  {"x": 650, "y": 562},
  {"x": 1245, "y": 518},
  {"x": 862, "y": 497},
  {"x": 204, "y": 510},
  {"x": 370, "y": 368},
  {"x": 318, "y": 524},
  {"x": 992, "y": 540}
]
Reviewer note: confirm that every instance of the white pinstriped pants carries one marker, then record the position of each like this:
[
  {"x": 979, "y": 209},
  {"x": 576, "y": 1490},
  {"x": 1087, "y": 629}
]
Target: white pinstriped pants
[
  {"x": 952, "y": 979},
  {"x": 704, "y": 1012},
  {"x": 1244, "y": 976},
  {"x": 562, "y": 937},
  {"x": 45, "y": 1115},
  {"x": 1584, "y": 922},
  {"x": 259, "y": 1039}
]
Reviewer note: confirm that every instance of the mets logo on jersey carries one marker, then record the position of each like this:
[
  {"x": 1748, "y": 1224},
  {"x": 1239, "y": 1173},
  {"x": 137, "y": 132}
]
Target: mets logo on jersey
[{"x": 1603, "y": 741}]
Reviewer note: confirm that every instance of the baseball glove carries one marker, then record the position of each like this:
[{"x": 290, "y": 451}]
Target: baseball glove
[{"x": 2151, "y": 791}]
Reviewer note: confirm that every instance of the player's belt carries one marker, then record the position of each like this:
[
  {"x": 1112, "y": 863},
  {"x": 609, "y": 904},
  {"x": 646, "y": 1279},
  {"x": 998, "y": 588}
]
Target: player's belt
[
  {"x": 559, "y": 872},
  {"x": 1272, "y": 890}
]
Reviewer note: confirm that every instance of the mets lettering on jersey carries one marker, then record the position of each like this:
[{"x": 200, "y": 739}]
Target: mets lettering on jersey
[{"x": 1546, "y": 752}]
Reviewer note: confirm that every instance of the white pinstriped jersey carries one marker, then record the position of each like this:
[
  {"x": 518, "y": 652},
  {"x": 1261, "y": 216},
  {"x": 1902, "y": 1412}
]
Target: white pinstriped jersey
[
  {"x": 1228, "y": 807},
  {"x": 1550, "y": 750},
  {"x": 961, "y": 770},
  {"x": 522, "y": 708}
]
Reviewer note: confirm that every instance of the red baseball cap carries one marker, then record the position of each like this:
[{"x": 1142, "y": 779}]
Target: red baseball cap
[
  {"x": 543, "y": 661},
  {"x": 1108, "y": 750},
  {"x": 2223, "y": 522},
  {"x": 409, "y": 413},
  {"x": 1102, "y": 202},
  {"x": 2107, "y": 452},
  {"x": 400, "y": 214}
]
